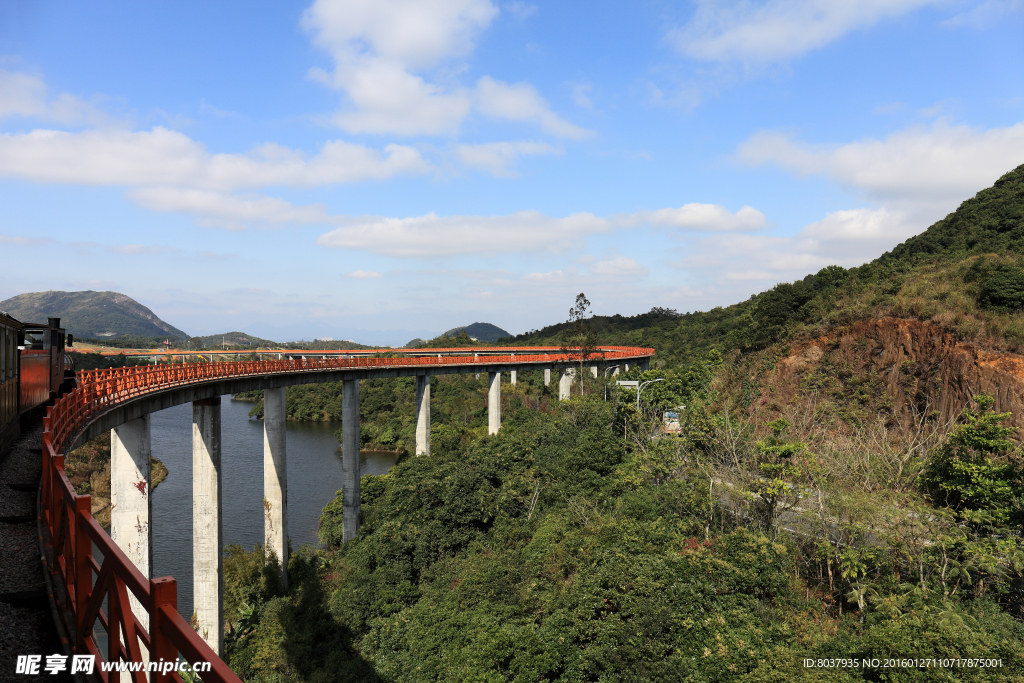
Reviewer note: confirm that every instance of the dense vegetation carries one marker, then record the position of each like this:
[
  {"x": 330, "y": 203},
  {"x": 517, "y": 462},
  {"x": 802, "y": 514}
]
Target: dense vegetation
[
  {"x": 387, "y": 415},
  {"x": 583, "y": 544},
  {"x": 88, "y": 314},
  {"x": 485, "y": 332},
  {"x": 559, "y": 550}
]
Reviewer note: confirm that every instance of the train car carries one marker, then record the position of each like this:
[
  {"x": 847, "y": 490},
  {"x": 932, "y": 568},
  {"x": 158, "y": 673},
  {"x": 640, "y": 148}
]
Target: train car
[
  {"x": 10, "y": 330},
  {"x": 46, "y": 371}
]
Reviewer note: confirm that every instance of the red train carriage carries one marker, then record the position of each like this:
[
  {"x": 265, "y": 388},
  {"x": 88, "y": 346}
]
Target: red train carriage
[
  {"x": 34, "y": 368},
  {"x": 9, "y": 330}
]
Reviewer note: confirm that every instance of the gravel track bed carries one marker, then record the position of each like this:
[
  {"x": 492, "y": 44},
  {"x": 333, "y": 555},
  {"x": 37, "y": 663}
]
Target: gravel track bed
[
  {"x": 22, "y": 629},
  {"x": 25, "y": 628},
  {"x": 19, "y": 558}
]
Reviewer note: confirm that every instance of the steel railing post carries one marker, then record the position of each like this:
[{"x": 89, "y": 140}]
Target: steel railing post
[
  {"x": 163, "y": 593},
  {"x": 83, "y": 570}
]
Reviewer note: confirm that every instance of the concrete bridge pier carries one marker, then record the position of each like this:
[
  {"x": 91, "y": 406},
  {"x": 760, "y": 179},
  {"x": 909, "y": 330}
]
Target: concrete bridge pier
[
  {"x": 207, "y": 525},
  {"x": 422, "y": 414},
  {"x": 131, "y": 503},
  {"x": 476, "y": 359},
  {"x": 565, "y": 384},
  {"x": 275, "y": 478},
  {"x": 547, "y": 377},
  {"x": 593, "y": 371},
  {"x": 512, "y": 374},
  {"x": 350, "y": 474},
  {"x": 493, "y": 402}
]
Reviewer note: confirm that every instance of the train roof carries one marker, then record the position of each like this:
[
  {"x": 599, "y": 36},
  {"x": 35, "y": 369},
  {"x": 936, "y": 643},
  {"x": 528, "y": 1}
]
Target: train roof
[{"x": 10, "y": 321}]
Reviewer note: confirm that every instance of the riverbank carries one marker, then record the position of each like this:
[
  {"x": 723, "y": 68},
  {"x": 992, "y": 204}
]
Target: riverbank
[{"x": 88, "y": 470}]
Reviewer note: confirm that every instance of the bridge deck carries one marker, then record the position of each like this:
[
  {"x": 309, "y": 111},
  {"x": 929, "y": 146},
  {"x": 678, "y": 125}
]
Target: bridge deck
[{"x": 105, "y": 399}]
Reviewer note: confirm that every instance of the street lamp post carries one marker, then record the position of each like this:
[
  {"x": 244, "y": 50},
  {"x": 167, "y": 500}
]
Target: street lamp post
[
  {"x": 641, "y": 388},
  {"x": 606, "y": 370}
]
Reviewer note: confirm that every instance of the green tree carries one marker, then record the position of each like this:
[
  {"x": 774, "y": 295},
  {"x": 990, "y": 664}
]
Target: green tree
[
  {"x": 979, "y": 468},
  {"x": 775, "y": 488},
  {"x": 579, "y": 340}
]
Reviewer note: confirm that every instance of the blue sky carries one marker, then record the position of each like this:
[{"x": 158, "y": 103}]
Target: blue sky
[{"x": 382, "y": 169}]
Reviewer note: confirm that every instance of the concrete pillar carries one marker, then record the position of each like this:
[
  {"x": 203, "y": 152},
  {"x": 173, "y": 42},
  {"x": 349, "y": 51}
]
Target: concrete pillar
[
  {"x": 131, "y": 503},
  {"x": 615, "y": 372},
  {"x": 422, "y": 414},
  {"x": 625, "y": 367},
  {"x": 207, "y": 525},
  {"x": 275, "y": 478},
  {"x": 493, "y": 402},
  {"x": 565, "y": 384},
  {"x": 350, "y": 458},
  {"x": 593, "y": 371},
  {"x": 547, "y": 376},
  {"x": 476, "y": 359},
  {"x": 512, "y": 373}
]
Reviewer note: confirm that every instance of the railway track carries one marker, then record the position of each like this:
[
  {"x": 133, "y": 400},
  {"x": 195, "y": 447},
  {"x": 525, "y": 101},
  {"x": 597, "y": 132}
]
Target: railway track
[{"x": 26, "y": 620}]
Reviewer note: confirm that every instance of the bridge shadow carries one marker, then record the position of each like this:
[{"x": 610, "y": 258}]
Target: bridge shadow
[{"x": 315, "y": 643}]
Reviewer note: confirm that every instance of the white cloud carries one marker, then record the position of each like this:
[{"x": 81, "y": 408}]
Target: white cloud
[
  {"x": 985, "y": 14},
  {"x": 847, "y": 238},
  {"x": 26, "y": 95},
  {"x": 363, "y": 274},
  {"x": 923, "y": 168},
  {"x": 433, "y": 235},
  {"x": 135, "y": 249},
  {"x": 522, "y": 102},
  {"x": 777, "y": 30},
  {"x": 227, "y": 211},
  {"x": 386, "y": 51},
  {"x": 417, "y": 34},
  {"x": 620, "y": 266},
  {"x": 521, "y": 10},
  {"x": 389, "y": 99},
  {"x": 24, "y": 241},
  {"x": 526, "y": 231},
  {"x": 707, "y": 217},
  {"x": 581, "y": 97},
  {"x": 162, "y": 157},
  {"x": 498, "y": 158}
]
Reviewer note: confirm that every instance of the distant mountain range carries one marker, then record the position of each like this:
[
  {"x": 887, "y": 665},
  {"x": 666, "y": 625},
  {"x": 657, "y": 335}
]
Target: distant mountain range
[
  {"x": 91, "y": 314},
  {"x": 481, "y": 331}
]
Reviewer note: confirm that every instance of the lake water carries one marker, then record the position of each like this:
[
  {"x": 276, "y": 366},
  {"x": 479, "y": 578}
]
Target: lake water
[{"x": 314, "y": 478}]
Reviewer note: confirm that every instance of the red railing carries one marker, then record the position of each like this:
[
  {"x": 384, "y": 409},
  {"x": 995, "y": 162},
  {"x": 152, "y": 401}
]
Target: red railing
[{"x": 80, "y": 583}]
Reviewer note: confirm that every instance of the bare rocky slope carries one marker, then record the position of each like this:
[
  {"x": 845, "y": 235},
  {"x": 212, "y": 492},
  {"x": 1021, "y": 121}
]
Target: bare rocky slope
[{"x": 910, "y": 366}]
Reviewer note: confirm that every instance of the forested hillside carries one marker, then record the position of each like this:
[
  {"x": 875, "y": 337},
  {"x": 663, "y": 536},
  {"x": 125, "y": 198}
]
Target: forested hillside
[
  {"x": 847, "y": 482},
  {"x": 91, "y": 314}
]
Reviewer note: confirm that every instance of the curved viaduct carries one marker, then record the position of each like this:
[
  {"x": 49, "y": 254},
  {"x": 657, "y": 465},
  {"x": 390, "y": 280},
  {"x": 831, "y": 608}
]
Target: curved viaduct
[{"x": 142, "y": 612}]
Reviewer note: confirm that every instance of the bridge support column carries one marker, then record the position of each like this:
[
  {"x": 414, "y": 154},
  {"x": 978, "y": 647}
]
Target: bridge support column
[
  {"x": 615, "y": 371},
  {"x": 476, "y": 359},
  {"x": 565, "y": 384},
  {"x": 207, "y": 526},
  {"x": 350, "y": 459},
  {"x": 131, "y": 502},
  {"x": 275, "y": 478},
  {"x": 512, "y": 373},
  {"x": 547, "y": 376},
  {"x": 493, "y": 402},
  {"x": 422, "y": 414},
  {"x": 593, "y": 371}
]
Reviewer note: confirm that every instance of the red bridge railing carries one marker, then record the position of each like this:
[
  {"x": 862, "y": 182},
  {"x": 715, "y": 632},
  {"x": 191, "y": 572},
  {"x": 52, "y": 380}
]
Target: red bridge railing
[{"x": 70, "y": 534}]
